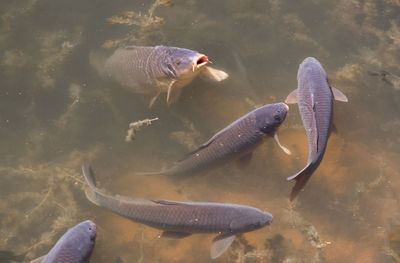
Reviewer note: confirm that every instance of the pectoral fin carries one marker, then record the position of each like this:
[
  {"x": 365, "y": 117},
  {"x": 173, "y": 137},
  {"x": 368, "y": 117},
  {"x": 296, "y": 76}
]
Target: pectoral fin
[
  {"x": 151, "y": 103},
  {"x": 38, "y": 260},
  {"x": 220, "y": 244},
  {"x": 174, "y": 235},
  {"x": 286, "y": 150},
  {"x": 174, "y": 91},
  {"x": 244, "y": 160},
  {"x": 212, "y": 74},
  {"x": 292, "y": 97},
  {"x": 338, "y": 95}
]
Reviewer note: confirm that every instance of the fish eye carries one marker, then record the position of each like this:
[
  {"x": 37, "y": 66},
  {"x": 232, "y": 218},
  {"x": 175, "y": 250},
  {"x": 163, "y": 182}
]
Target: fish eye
[
  {"x": 178, "y": 62},
  {"x": 276, "y": 117}
]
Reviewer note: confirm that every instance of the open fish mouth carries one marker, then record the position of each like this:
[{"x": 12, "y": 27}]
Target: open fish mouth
[{"x": 200, "y": 62}]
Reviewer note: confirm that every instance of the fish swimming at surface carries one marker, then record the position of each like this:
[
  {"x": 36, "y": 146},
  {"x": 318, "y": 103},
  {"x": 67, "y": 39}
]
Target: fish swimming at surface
[
  {"x": 315, "y": 99},
  {"x": 154, "y": 70},
  {"x": 236, "y": 141},
  {"x": 75, "y": 246},
  {"x": 181, "y": 219}
]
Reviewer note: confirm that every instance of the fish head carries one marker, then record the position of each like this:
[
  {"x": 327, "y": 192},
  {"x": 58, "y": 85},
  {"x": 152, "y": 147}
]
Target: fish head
[
  {"x": 183, "y": 63},
  {"x": 270, "y": 117},
  {"x": 250, "y": 219},
  {"x": 309, "y": 65},
  {"x": 84, "y": 237}
]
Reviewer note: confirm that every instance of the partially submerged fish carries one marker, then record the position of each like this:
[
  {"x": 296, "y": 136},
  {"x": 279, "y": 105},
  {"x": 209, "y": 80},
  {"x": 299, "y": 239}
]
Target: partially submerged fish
[
  {"x": 181, "y": 219},
  {"x": 75, "y": 246},
  {"x": 236, "y": 141},
  {"x": 154, "y": 70},
  {"x": 315, "y": 99}
]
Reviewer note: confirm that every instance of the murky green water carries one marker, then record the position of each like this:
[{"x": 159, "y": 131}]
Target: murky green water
[{"x": 56, "y": 113}]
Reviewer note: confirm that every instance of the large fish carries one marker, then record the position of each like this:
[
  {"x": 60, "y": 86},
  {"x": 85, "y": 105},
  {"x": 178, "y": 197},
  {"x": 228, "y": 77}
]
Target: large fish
[
  {"x": 154, "y": 70},
  {"x": 236, "y": 141},
  {"x": 75, "y": 246},
  {"x": 181, "y": 219},
  {"x": 315, "y": 99}
]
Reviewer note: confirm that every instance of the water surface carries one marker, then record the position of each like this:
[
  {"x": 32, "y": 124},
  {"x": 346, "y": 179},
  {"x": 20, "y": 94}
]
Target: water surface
[{"x": 56, "y": 113}]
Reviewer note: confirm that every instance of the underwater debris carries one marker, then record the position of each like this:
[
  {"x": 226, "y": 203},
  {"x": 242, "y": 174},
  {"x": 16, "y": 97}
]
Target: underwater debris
[
  {"x": 145, "y": 24},
  {"x": 14, "y": 59},
  {"x": 143, "y": 20},
  {"x": 39, "y": 189},
  {"x": 190, "y": 137},
  {"x": 75, "y": 95},
  {"x": 387, "y": 77},
  {"x": 309, "y": 231},
  {"x": 55, "y": 48},
  {"x": 134, "y": 127}
]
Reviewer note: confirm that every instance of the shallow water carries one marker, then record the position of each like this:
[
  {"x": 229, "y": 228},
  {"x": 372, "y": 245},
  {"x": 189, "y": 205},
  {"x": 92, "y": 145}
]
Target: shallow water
[{"x": 56, "y": 113}]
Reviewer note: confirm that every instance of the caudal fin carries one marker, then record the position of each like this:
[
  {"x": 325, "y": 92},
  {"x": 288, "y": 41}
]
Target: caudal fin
[
  {"x": 301, "y": 180},
  {"x": 91, "y": 194}
]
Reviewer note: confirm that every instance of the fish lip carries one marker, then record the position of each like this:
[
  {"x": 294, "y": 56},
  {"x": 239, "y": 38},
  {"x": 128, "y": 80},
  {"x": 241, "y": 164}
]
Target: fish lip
[
  {"x": 287, "y": 107},
  {"x": 200, "y": 61}
]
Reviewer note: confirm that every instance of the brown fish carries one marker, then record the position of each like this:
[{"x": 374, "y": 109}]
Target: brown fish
[{"x": 154, "y": 70}]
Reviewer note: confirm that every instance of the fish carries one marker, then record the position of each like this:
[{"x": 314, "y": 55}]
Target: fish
[
  {"x": 181, "y": 219},
  {"x": 315, "y": 97},
  {"x": 155, "y": 70},
  {"x": 75, "y": 246},
  {"x": 236, "y": 141}
]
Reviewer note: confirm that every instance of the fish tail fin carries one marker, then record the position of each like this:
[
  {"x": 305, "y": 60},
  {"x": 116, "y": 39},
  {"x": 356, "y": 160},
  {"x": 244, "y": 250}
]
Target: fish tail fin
[
  {"x": 97, "y": 60},
  {"x": 88, "y": 174},
  {"x": 301, "y": 178}
]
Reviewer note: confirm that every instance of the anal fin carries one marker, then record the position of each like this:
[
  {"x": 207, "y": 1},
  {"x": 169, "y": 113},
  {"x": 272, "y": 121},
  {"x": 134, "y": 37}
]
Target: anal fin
[{"x": 220, "y": 244}]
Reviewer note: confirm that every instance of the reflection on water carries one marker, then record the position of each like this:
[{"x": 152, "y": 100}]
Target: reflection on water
[{"x": 55, "y": 113}]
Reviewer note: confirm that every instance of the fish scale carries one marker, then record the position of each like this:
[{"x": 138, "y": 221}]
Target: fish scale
[
  {"x": 75, "y": 246},
  {"x": 234, "y": 141},
  {"x": 180, "y": 219},
  {"x": 315, "y": 99}
]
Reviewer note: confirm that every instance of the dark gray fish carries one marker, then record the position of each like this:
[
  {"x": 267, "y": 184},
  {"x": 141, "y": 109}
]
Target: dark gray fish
[
  {"x": 153, "y": 70},
  {"x": 315, "y": 99},
  {"x": 75, "y": 246},
  {"x": 181, "y": 219},
  {"x": 237, "y": 140}
]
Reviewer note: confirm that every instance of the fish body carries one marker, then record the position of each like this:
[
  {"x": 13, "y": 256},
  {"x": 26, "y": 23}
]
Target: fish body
[
  {"x": 180, "y": 219},
  {"x": 153, "y": 70},
  {"x": 315, "y": 100},
  {"x": 237, "y": 140},
  {"x": 75, "y": 246}
]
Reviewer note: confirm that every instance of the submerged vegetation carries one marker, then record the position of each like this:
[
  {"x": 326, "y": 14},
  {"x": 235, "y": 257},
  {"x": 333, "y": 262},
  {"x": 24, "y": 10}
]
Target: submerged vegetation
[{"x": 56, "y": 114}]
